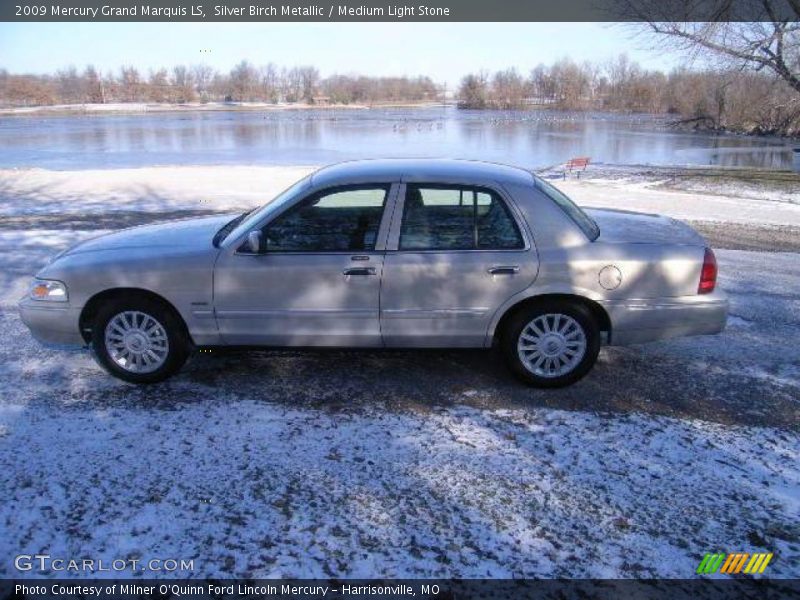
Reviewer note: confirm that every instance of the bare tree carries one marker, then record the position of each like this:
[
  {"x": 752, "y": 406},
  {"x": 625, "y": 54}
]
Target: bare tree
[
  {"x": 95, "y": 92},
  {"x": 509, "y": 89},
  {"x": 770, "y": 41},
  {"x": 130, "y": 84},
  {"x": 270, "y": 85},
  {"x": 203, "y": 76},
  {"x": 28, "y": 90},
  {"x": 571, "y": 84},
  {"x": 220, "y": 87},
  {"x": 158, "y": 86},
  {"x": 345, "y": 89},
  {"x": 309, "y": 79},
  {"x": 593, "y": 81},
  {"x": 183, "y": 85},
  {"x": 474, "y": 91},
  {"x": 543, "y": 86},
  {"x": 291, "y": 84},
  {"x": 243, "y": 82},
  {"x": 70, "y": 86}
]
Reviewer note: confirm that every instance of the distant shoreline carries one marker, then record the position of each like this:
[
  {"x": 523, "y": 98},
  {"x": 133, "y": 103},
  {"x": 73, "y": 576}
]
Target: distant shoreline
[
  {"x": 138, "y": 108},
  {"x": 154, "y": 107}
]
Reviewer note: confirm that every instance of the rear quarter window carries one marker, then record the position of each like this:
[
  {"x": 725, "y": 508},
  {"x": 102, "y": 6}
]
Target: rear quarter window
[{"x": 572, "y": 210}]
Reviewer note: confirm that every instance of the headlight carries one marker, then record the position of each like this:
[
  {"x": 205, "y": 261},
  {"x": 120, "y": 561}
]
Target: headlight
[{"x": 48, "y": 289}]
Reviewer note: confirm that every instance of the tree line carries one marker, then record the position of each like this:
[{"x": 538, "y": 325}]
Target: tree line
[
  {"x": 721, "y": 99},
  {"x": 200, "y": 83},
  {"x": 726, "y": 97}
]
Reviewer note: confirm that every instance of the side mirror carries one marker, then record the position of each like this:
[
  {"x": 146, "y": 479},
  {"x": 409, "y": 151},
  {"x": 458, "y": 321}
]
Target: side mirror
[{"x": 254, "y": 241}]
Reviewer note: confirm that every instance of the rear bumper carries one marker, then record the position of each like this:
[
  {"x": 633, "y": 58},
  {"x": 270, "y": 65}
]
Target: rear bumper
[
  {"x": 51, "y": 323},
  {"x": 638, "y": 321}
]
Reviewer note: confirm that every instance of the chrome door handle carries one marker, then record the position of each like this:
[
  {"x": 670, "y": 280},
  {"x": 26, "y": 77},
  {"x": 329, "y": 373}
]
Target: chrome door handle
[
  {"x": 360, "y": 271},
  {"x": 507, "y": 270}
]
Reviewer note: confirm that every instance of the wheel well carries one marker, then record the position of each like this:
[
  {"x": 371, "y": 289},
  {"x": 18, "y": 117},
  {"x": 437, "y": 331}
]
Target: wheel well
[
  {"x": 597, "y": 311},
  {"x": 94, "y": 304}
]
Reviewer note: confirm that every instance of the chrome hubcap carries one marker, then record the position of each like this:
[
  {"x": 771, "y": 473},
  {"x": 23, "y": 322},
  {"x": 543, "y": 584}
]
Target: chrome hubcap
[
  {"x": 136, "y": 341},
  {"x": 551, "y": 345}
]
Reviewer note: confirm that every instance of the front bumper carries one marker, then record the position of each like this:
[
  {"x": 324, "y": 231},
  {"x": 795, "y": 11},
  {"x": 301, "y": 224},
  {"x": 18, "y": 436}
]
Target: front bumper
[
  {"x": 52, "y": 322},
  {"x": 639, "y": 321}
]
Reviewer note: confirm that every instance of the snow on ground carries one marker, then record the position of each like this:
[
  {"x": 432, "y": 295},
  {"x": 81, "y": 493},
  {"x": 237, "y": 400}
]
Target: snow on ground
[
  {"x": 303, "y": 464},
  {"x": 152, "y": 189},
  {"x": 749, "y": 183},
  {"x": 25, "y": 252},
  {"x": 647, "y": 197},
  {"x": 163, "y": 189},
  {"x": 259, "y": 489},
  {"x": 280, "y": 464}
]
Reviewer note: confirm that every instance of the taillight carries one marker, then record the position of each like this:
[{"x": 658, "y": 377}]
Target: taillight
[{"x": 708, "y": 275}]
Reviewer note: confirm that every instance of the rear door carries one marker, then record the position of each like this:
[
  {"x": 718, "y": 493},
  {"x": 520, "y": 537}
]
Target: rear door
[{"x": 455, "y": 254}]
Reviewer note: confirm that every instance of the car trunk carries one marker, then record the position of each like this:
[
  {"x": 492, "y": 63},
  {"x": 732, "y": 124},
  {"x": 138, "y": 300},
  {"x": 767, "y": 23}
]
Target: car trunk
[
  {"x": 668, "y": 254},
  {"x": 621, "y": 226}
]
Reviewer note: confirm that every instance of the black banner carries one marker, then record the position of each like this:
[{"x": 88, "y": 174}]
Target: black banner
[
  {"x": 396, "y": 10},
  {"x": 444, "y": 589}
]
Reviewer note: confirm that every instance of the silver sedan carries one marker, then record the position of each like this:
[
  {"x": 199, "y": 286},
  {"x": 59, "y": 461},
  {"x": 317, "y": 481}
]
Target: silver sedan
[{"x": 386, "y": 254}]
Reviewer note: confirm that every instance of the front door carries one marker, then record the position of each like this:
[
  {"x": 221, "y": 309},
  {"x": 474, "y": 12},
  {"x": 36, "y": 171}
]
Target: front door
[
  {"x": 454, "y": 258},
  {"x": 315, "y": 281}
]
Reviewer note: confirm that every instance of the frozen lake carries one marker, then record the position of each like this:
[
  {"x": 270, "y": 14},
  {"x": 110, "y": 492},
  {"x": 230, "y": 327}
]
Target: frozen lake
[{"x": 532, "y": 139}]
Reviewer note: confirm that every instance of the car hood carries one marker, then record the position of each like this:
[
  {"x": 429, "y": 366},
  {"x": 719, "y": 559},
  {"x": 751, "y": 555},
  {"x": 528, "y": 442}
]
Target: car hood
[
  {"x": 622, "y": 226},
  {"x": 185, "y": 233}
]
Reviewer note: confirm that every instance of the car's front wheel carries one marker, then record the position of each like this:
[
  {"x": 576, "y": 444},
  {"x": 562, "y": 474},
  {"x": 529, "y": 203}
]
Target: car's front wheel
[
  {"x": 139, "y": 340},
  {"x": 552, "y": 344}
]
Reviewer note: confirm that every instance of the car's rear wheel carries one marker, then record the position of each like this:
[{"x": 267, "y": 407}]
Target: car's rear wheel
[
  {"x": 139, "y": 340},
  {"x": 551, "y": 344}
]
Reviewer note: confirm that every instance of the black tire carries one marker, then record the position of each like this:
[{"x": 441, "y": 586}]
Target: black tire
[
  {"x": 580, "y": 364},
  {"x": 177, "y": 343}
]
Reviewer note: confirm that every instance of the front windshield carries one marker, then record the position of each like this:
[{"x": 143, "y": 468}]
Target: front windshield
[
  {"x": 573, "y": 211},
  {"x": 254, "y": 217}
]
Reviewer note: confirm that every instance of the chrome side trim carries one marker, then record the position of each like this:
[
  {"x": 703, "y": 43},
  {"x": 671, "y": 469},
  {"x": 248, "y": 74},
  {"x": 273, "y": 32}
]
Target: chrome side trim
[
  {"x": 661, "y": 304},
  {"x": 438, "y": 313},
  {"x": 364, "y": 313}
]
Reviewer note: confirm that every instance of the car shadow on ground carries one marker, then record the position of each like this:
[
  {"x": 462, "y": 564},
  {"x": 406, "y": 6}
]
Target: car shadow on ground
[
  {"x": 625, "y": 380},
  {"x": 650, "y": 379}
]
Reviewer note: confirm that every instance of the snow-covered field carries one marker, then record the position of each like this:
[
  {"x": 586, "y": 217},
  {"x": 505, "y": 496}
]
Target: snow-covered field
[
  {"x": 649, "y": 196},
  {"x": 260, "y": 488},
  {"x": 156, "y": 189},
  {"x": 396, "y": 464}
]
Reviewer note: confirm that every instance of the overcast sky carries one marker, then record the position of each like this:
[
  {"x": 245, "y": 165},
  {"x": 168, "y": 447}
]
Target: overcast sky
[{"x": 444, "y": 51}]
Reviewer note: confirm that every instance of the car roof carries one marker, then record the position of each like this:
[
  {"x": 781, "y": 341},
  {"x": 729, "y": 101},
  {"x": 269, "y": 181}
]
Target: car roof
[{"x": 433, "y": 170}]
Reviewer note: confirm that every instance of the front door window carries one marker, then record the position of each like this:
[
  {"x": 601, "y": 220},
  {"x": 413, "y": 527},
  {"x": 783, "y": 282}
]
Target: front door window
[{"x": 338, "y": 220}]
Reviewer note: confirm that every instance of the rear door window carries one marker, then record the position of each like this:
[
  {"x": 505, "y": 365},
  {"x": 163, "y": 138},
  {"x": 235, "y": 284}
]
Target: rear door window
[{"x": 437, "y": 217}]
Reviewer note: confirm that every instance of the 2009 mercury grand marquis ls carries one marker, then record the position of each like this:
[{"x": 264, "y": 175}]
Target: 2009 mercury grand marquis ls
[{"x": 386, "y": 253}]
